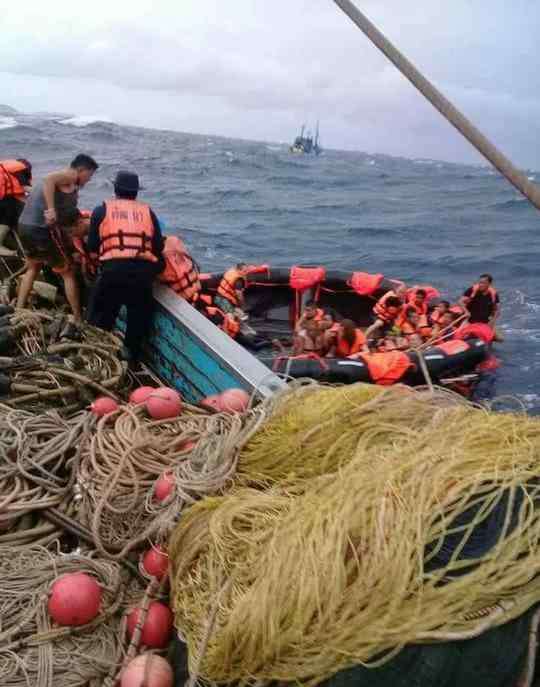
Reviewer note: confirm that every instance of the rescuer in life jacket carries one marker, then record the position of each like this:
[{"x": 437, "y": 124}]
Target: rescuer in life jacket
[
  {"x": 230, "y": 293},
  {"x": 15, "y": 179},
  {"x": 482, "y": 301},
  {"x": 127, "y": 236},
  {"x": 42, "y": 227}
]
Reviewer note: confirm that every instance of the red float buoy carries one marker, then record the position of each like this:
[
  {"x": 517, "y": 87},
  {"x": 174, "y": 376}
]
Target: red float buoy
[
  {"x": 103, "y": 406},
  {"x": 155, "y": 562},
  {"x": 164, "y": 486},
  {"x": 164, "y": 403},
  {"x": 234, "y": 401},
  {"x": 147, "y": 670},
  {"x": 157, "y": 626},
  {"x": 74, "y": 599},
  {"x": 212, "y": 402},
  {"x": 141, "y": 394}
]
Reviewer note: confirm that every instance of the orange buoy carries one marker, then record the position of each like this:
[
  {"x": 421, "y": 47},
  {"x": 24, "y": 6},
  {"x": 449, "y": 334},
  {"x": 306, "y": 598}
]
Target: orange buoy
[
  {"x": 103, "y": 406},
  {"x": 157, "y": 626},
  {"x": 164, "y": 486},
  {"x": 74, "y": 599},
  {"x": 141, "y": 394},
  {"x": 155, "y": 562},
  {"x": 213, "y": 402},
  {"x": 147, "y": 670},
  {"x": 164, "y": 403},
  {"x": 234, "y": 401}
]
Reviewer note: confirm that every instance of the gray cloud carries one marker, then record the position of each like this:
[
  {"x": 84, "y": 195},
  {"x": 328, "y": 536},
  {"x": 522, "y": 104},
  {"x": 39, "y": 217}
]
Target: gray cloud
[{"x": 258, "y": 69}]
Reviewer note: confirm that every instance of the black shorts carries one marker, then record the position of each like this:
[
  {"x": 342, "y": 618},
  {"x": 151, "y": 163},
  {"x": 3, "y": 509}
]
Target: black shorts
[{"x": 50, "y": 246}]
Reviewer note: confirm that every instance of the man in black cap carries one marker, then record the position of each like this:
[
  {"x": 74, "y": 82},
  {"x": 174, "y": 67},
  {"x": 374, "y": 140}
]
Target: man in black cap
[{"x": 126, "y": 236}]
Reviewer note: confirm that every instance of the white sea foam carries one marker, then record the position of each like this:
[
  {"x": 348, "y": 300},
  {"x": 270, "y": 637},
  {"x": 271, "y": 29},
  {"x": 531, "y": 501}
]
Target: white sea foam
[
  {"x": 7, "y": 122},
  {"x": 86, "y": 120}
]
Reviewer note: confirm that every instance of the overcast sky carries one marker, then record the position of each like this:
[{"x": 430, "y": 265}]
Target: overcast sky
[{"x": 259, "y": 68}]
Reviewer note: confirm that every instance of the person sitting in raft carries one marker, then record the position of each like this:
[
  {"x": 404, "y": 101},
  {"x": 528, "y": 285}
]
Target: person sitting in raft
[
  {"x": 444, "y": 329},
  {"x": 230, "y": 293},
  {"x": 438, "y": 311},
  {"x": 330, "y": 328},
  {"x": 350, "y": 341},
  {"x": 418, "y": 301},
  {"x": 311, "y": 313},
  {"x": 409, "y": 324},
  {"x": 309, "y": 339},
  {"x": 386, "y": 315}
]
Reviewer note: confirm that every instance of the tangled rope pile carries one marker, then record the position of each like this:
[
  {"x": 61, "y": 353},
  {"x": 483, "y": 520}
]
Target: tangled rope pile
[
  {"x": 400, "y": 518},
  {"x": 32, "y": 651},
  {"x": 122, "y": 460},
  {"x": 38, "y": 463},
  {"x": 41, "y": 368}
]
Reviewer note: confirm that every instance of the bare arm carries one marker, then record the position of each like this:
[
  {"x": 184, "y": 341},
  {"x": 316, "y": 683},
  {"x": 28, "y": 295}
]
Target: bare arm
[{"x": 373, "y": 328}]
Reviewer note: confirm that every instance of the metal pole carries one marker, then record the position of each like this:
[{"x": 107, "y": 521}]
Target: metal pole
[{"x": 445, "y": 107}]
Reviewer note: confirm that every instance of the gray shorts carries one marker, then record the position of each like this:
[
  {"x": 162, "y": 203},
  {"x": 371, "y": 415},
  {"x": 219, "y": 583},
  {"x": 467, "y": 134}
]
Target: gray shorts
[{"x": 50, "y": 246}]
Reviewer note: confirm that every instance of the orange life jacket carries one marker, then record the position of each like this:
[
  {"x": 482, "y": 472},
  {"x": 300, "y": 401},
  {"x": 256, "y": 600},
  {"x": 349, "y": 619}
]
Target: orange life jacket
[
  {"x": 344, "y": 349},
  {"x": 229, "y": 324},
  {"x": 180, "y": 273},
  {"x": 386, "y": 368},
  {"x": 491, "y": 291},
  {"x": 126, "y": 231},
  {"x": 421, "y": 308},
  {"x": 10, "y": 186},
  {"x": 226, "y": 287},
  {"x": 382, "y": 311}
]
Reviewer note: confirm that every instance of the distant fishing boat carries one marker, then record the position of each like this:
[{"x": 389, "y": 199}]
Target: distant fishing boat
[{"x": 306, "y": 144}]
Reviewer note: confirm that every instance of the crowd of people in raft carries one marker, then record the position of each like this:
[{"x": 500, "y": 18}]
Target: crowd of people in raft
[
  {"x": 119, "y": 247},
  {"x": 403, "y": 320}
]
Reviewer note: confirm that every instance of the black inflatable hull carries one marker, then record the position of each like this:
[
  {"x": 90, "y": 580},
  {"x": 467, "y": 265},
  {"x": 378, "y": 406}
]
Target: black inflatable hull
[{"x": 440, "y": 365}]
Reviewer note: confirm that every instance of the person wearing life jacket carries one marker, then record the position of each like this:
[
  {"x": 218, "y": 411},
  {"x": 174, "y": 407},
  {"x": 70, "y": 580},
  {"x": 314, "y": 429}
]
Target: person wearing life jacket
[
  {"x": 409, "y": 324},
  {"x": 126, "y": 235},
  {"x": 311, "y": 313},
  {"x": 418, "y": 301},
  {"x": 350, "y": 341},
  {"x": 330, "y": 329},
  {"x": 386, "y": 313},
  {"x": 47, "y": 213},
  {"x": 444, "y": 329},
  {"x": 309, "y": 339},
  {"x": 482, "y": 301},
  {"x": 230, "y": 292},
  {"x": 181, "y": 273},
  {"x": 15, "y": 178},
  {"x": 438, "y": 311},
  {"x": 227, "y": 322},
  {"x": 380, "y": 308}
]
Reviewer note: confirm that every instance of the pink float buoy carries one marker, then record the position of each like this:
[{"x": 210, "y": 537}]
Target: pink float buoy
[
  {"x": 157, "y": 625},
  {"x": 147, "y": 670},
  {"x": 164, "y": 486},
  {"x": 164, "y": 403},
  {"x": 234, "y": 401},
  {"x": 141, "y": 394},
  {"x": 103, "y": 406},
  {"x": 74, "y": 599},
  {"x": 155, "y": 562}
]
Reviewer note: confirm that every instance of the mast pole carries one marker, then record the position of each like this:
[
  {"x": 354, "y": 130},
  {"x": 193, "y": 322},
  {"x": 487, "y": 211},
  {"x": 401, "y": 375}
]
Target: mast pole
[{"x": 442, "y": 104}]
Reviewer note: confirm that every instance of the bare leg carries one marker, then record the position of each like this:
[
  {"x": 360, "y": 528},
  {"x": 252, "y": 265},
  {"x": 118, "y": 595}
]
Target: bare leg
[
  {"x": 32, "y": 270},
  {"x": 72, "y": 294}
]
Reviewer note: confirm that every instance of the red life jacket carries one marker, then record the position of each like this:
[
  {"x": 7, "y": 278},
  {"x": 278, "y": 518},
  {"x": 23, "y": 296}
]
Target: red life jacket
[
  {"x": 382, "y": 311},
  {"x": 344, "y": 349},
  {"x": 364, "y": 283},
  {"x": 180, "y": 273},
  {"x": 386, "y": 368},
  {"x": 126, "y": 231},
  {"x": 302, "y": 278},
  {"x": 10, "y": 186},
  {"x": 226, "y": 287},
  {"x": 491, "y": 291}
]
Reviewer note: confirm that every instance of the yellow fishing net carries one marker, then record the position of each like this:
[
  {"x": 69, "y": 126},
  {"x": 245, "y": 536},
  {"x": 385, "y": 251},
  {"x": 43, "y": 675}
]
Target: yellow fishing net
[{"x": 386, "y": 518}]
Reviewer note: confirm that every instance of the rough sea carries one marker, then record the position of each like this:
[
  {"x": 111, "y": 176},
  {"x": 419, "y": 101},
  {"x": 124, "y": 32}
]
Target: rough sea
[{"x": 422, "y": 221}]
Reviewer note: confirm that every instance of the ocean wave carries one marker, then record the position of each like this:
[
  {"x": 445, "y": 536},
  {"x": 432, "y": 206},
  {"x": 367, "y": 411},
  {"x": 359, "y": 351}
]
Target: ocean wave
[
  {"x": 86, "y": 120},
  {"x": 8, "y": 122}
]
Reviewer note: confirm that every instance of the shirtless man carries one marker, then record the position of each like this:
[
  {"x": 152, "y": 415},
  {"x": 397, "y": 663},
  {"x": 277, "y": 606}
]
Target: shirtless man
[{"x": 41, "y": 228}]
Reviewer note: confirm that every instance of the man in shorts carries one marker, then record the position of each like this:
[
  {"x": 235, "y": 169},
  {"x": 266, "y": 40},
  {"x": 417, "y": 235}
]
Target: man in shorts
[{"x": 48, "y": 212}]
